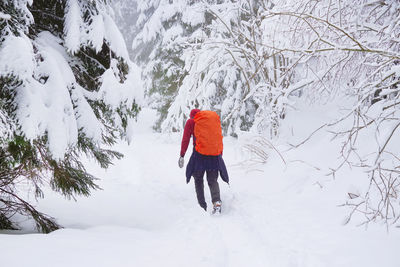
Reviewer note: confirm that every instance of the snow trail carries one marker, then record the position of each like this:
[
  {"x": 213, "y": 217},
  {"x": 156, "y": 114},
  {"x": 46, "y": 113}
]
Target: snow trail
[{"x": 146, "y": 215}]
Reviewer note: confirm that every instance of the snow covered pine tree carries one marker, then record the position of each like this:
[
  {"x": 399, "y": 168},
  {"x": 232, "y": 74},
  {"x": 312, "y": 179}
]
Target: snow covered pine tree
[
  {"x": 66, "y": 89},
  {"x": 207, "y": 54}
]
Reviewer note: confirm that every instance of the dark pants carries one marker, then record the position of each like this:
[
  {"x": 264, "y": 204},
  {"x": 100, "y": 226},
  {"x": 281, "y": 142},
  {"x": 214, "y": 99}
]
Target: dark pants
[{"x": 212, "y": 177}]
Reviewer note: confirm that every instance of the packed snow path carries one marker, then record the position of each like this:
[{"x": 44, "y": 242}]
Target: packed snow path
[{"x": 146, "y": 215}]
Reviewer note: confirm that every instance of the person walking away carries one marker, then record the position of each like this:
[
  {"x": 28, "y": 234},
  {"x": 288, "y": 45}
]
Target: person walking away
[{"x": 205, "y": 128}]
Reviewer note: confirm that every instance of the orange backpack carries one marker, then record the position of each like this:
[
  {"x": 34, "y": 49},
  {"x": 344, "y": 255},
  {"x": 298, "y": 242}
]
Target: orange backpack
[{"x": 208, "y": 133}]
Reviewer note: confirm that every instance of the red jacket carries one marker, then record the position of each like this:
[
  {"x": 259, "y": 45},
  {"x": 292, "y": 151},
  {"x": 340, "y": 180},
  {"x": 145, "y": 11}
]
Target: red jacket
[{"x": 188, "y": 132}]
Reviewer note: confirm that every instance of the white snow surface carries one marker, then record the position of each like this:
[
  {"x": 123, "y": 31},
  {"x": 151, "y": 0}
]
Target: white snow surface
[
  {"x": 146, "y": 215},
  {"x": 19, "y": 63},
  {"x": 4, "y": 16},
  {"x": 73, "y": 25}
]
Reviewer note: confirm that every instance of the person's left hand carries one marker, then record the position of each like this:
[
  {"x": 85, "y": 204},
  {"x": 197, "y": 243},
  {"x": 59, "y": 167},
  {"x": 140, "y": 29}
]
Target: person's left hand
[{"x": 181, "y": 161}]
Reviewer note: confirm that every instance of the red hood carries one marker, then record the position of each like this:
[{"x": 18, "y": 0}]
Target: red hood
[{"x": 193, "y": 112}]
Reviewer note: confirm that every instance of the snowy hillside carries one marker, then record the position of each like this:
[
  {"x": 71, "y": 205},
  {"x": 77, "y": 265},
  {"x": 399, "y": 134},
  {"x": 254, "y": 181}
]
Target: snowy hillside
[{"x": 273, "y": 215}]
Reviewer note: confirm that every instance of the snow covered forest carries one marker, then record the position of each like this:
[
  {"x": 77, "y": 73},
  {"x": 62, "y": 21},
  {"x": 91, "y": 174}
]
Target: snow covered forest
[
  {"x": 94, "y": 96},
  {"x": 252, "y": 61}
]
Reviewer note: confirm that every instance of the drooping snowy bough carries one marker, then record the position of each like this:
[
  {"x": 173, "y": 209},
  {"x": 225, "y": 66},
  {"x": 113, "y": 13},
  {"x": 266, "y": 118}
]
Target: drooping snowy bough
[{"x": 67, "y": 88}]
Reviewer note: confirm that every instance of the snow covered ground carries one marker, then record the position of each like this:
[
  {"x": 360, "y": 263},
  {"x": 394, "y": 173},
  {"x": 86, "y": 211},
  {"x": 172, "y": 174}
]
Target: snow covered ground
[{"x": 146, "y": 215}]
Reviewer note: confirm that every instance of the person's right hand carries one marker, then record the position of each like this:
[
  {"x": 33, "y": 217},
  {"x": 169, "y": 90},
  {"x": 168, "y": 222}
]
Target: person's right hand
[{"x": 181, "y": 161}]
